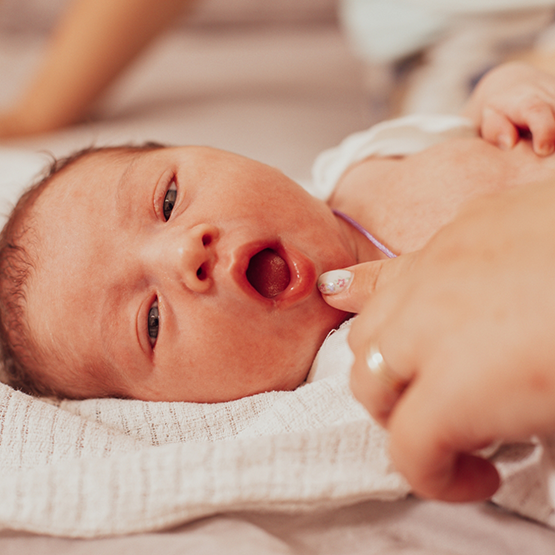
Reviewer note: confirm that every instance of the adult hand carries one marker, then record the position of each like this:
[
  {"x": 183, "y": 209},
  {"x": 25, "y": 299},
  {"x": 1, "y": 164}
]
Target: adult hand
[{"x": 468, "y": 325}]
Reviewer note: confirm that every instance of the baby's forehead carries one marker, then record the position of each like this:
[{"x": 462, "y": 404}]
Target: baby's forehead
[
  {"x": 95, "y": 164},
  {"x": 85, "y": 181},
  {"x": 79, "y": 196},
  {"x": 106, "y": 164}
]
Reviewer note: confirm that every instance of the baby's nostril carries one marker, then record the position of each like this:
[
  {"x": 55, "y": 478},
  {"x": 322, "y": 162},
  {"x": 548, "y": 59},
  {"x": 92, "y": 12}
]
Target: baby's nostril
[
  {"x": 206, "y": 240},
  {"x": 201, "y": 273}
]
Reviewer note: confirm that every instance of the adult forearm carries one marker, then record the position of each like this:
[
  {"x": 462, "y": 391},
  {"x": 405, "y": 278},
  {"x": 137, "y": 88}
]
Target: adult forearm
[{"x": 93, "y": 43}]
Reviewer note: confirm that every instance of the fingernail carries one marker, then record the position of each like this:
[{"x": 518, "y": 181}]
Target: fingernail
[
  {"x": 504, "y": 142},
  {"x": 545, "y": 149},
  {"x": 331, "y": 283}
]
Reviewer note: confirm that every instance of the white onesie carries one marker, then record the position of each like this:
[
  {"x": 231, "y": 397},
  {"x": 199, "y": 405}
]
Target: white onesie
[{"x": 398, "y": 137}]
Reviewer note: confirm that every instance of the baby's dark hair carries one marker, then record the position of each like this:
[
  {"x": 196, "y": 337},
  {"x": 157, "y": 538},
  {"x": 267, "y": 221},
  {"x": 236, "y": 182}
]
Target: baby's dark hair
[{"x": 21, "y": 357}]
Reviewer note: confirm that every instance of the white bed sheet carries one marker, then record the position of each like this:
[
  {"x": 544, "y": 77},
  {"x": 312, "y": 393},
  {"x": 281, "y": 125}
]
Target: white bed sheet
[{"x": 408, "y": 527}]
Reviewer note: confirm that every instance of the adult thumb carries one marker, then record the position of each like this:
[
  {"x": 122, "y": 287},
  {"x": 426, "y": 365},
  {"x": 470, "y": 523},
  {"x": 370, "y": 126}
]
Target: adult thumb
[{"x": 349, "y": 288}]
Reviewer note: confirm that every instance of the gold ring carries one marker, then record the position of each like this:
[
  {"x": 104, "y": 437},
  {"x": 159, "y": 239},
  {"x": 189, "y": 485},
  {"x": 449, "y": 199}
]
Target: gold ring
[{"x": 379, "y": 367}]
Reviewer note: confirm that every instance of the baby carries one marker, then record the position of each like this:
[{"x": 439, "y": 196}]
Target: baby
[{"x": 190, "y": 274}]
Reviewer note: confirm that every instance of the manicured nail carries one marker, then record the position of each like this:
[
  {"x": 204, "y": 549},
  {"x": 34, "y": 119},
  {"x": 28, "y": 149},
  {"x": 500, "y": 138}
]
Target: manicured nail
[{"x": 331, "y": 283}]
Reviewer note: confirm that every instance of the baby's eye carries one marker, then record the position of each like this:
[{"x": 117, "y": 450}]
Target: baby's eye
[
  {"x": 153, "y": 323},
  {"x": 169, "y": 200}
]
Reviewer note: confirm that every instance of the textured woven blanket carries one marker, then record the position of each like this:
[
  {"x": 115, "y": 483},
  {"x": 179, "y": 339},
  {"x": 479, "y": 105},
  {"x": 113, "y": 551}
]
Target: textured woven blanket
[
  {"x": 101, "y": 467},
  {"x": 104, "y": 467}
]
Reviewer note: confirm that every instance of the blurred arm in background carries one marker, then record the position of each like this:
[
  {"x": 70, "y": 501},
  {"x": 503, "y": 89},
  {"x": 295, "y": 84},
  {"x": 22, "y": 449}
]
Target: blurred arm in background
[{"x": 93, "y": 43}]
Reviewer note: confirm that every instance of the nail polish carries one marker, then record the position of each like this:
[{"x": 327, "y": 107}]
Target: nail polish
[{"x": 336, "y": 281}]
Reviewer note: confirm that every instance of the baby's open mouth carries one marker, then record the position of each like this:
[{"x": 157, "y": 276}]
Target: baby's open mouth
[{"x": 268, "y": 273}]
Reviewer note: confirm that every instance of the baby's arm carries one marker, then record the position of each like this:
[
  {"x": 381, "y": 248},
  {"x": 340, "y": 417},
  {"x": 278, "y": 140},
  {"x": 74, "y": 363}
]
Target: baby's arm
[
  {"x": 515, "y": 98},
  {"x": 95, "y": 40}
]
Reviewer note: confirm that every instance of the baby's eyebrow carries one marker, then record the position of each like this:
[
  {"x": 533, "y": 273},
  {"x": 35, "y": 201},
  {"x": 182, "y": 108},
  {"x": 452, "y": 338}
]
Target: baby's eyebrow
[{"x": 126, "y": 176}]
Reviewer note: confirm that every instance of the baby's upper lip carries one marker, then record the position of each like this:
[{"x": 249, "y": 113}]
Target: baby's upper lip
[{"x": 301, "y": 269}]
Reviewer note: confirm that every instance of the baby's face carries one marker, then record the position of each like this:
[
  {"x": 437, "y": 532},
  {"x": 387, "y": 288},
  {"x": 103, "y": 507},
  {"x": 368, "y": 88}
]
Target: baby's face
[{"x": 150, "y": 261}]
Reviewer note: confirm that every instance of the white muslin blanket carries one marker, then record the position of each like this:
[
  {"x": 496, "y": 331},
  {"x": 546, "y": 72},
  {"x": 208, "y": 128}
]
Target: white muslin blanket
[
  {"x": 104, "y": 467},
  {"x": 109, "y": 466},
  {"x": 101, "y": 467}
]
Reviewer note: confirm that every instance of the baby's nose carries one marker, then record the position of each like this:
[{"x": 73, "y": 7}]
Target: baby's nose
[
  {"x": 194, "y": 254},
  {"x": 198, "y": 254}
]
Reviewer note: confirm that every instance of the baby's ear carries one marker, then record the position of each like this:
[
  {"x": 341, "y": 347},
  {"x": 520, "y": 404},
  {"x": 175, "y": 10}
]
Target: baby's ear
[{"x": 349, "y": 288}]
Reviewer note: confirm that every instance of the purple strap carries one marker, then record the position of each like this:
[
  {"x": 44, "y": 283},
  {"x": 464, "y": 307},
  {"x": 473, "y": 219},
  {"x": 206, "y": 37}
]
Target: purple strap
[{"x": 366, "y": 234}]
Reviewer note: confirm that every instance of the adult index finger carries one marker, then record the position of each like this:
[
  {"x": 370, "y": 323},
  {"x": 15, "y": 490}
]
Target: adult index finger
[{"x": 349, "y": 288}]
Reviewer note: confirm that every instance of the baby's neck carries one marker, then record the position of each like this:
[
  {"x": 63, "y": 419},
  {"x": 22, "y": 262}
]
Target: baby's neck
[
  {"x": 359, "y": 194},
  {"x": 363, "y": 249},
  {"x": 365, "y": 233}
]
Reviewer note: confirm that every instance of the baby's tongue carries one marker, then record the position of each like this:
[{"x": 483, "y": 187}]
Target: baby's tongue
[{"x": 268, "y": 273}]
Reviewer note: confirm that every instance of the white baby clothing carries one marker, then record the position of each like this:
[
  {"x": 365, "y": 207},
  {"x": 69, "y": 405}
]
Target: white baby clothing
[{"x": 398, "y": 137}]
